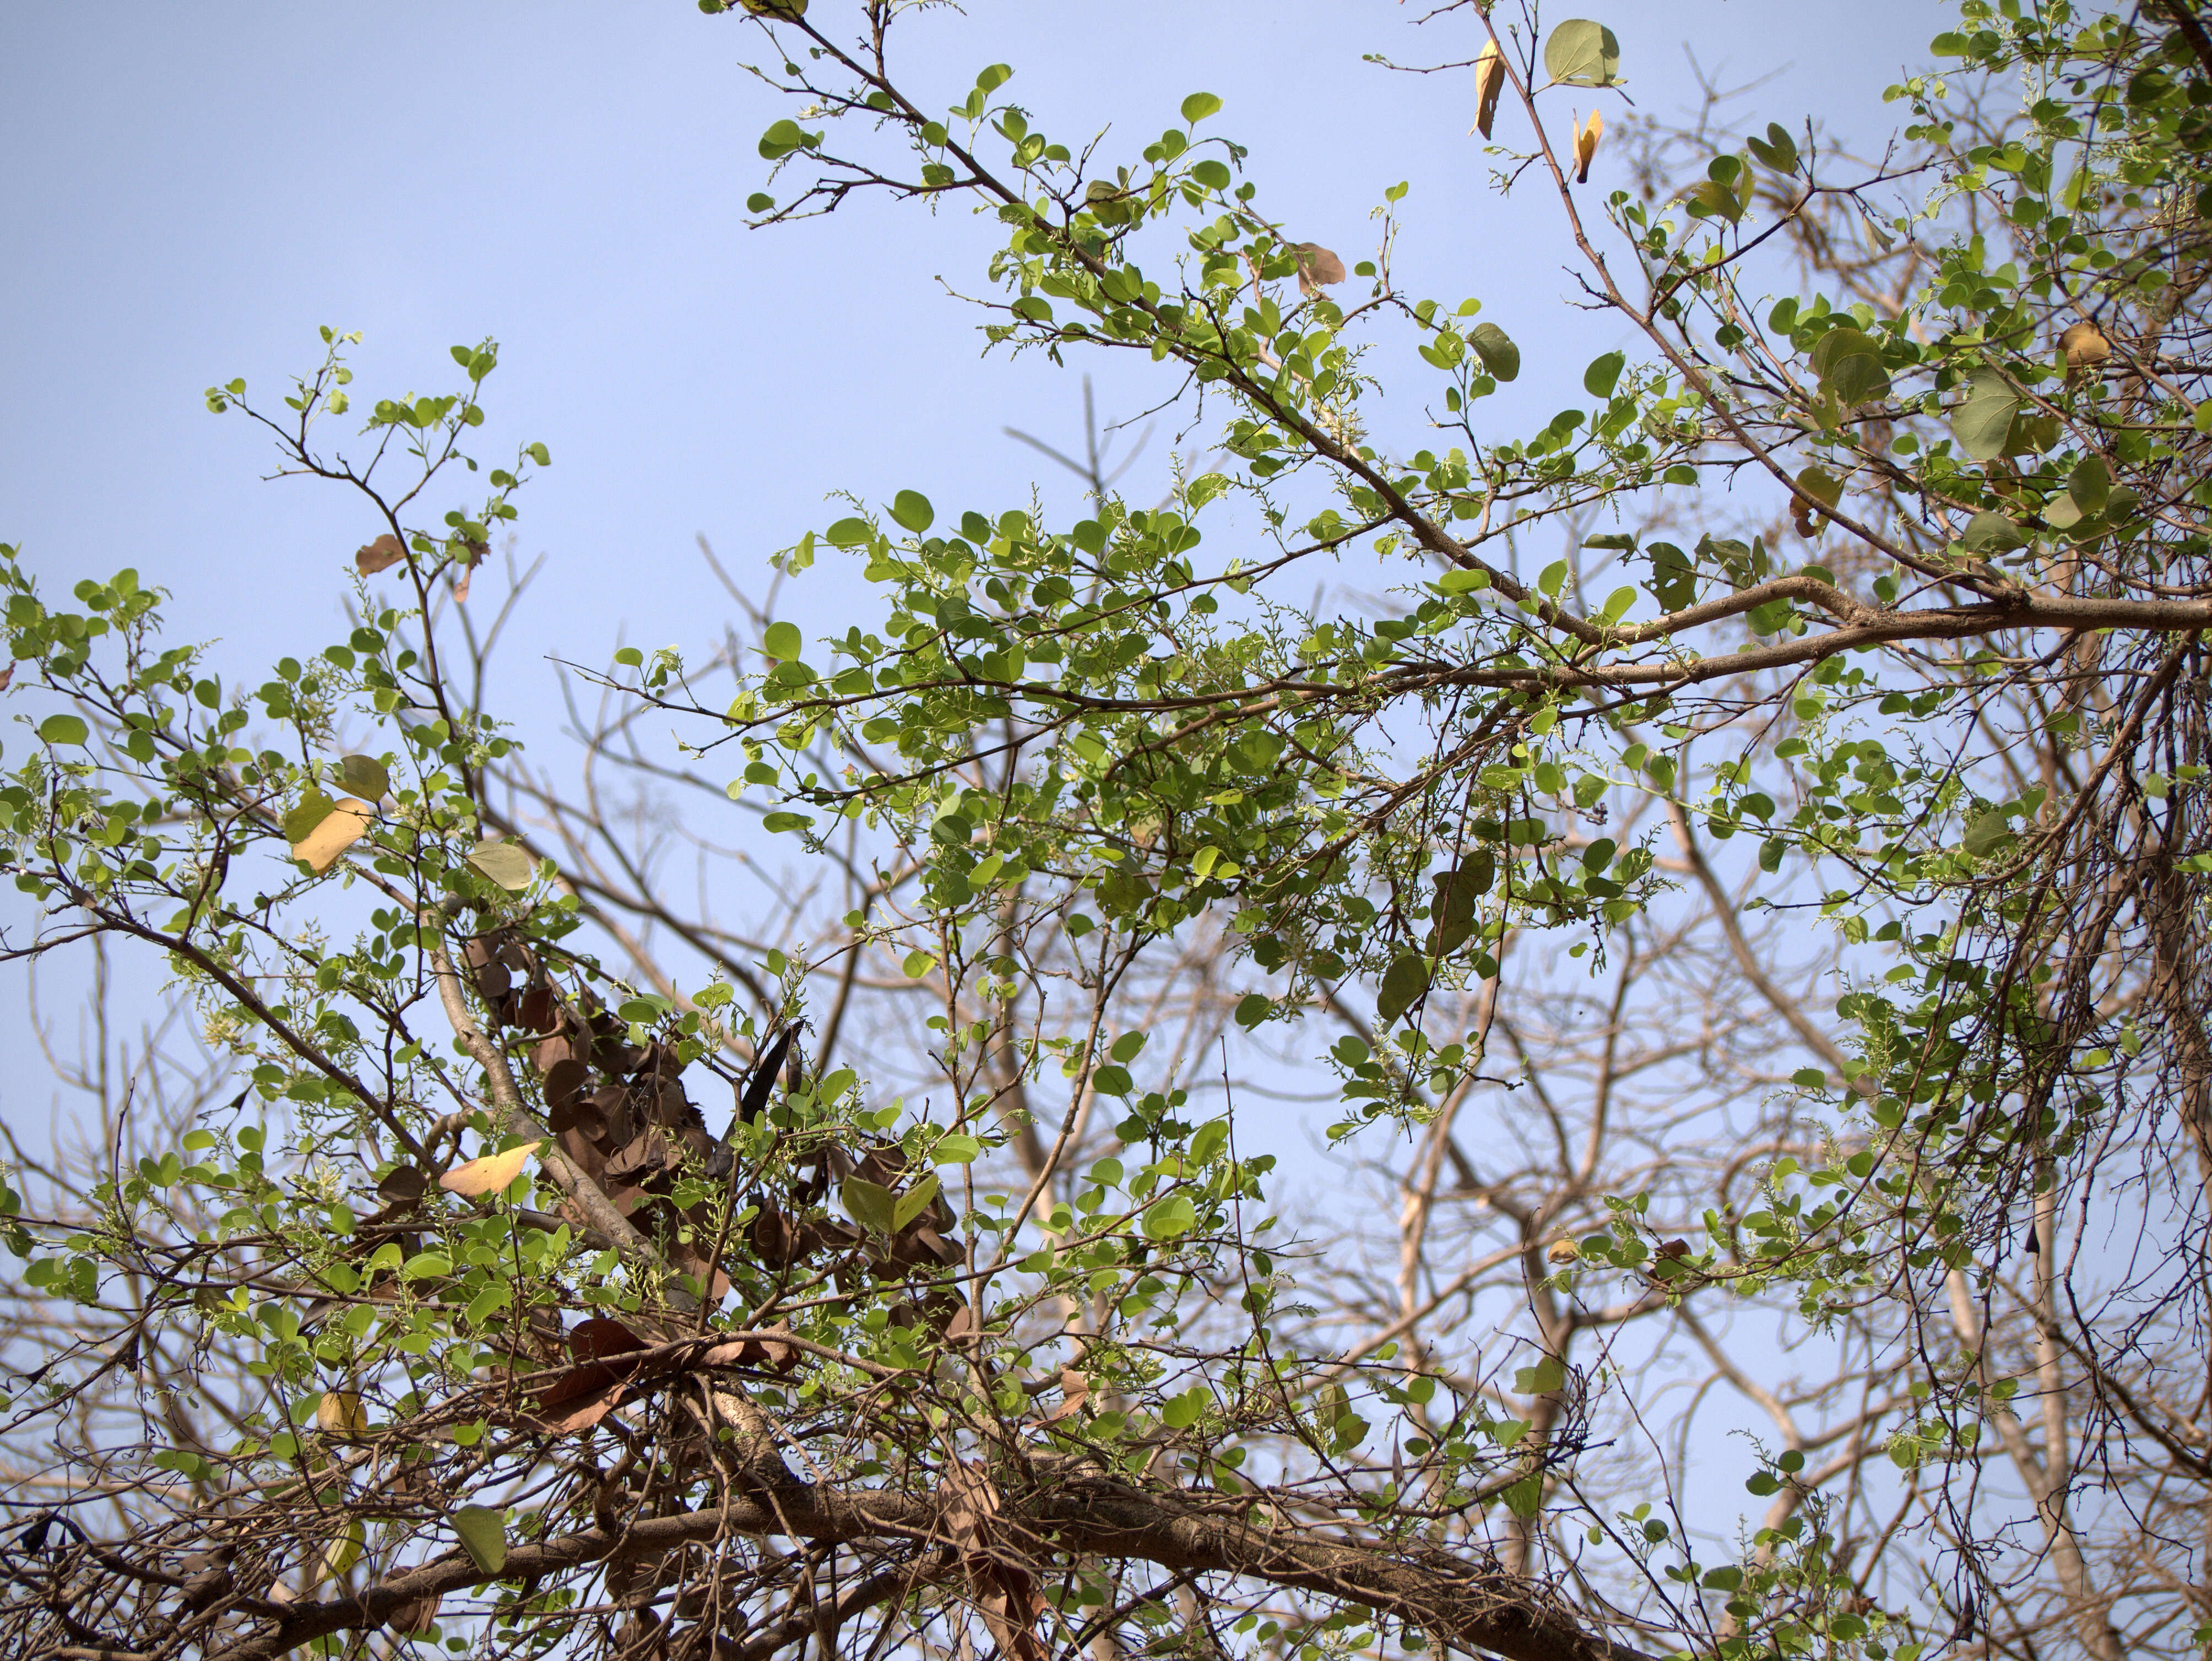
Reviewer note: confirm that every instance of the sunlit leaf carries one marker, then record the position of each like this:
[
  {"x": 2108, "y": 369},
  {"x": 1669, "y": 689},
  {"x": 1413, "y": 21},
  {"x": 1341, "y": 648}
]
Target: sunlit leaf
[
  {"x": 483, "y": 1532},
  {"x": 344, "y": 823},
  {"x": 488, "y": 1175},
  {"x": 1581, "y": 53},
  {"x": 505, "y": 863}
]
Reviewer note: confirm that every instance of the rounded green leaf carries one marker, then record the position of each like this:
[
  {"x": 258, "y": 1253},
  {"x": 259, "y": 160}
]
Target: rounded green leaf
[
  {"x": 1198, "y": 106},
  {"x": 1500, "y": 355},
  {"x": 956, "y": 1150},
  {"x": 1581, "y": 53},
  {"x": 871, "y": 1204},
  {"x": 848, "y": 533},
  {"x": 505, "y": 863},
  {"x": 344, "y": 1551},
  {"x": 1604, "y": 374},
  {"x": 363, "y": 776},
  {"x": 314, "y": 807},
  {"x": 1172, "y": 1216},
  {"x": 780, "y": 140},
  {"x": 65, "y": 730},
  {"x": 1404, "y": 981},
  {"x": 782, "y": 642},
  {"x": 1993, "y": 533},
  {"x": 1983, "y": 422},
  {"x": 483, "y": 1532},
  {"x": 911, "y": 509}
]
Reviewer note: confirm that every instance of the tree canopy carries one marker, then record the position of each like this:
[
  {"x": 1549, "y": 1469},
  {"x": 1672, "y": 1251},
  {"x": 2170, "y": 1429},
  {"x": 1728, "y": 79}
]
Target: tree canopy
[{"x": 1731, "y": 860}]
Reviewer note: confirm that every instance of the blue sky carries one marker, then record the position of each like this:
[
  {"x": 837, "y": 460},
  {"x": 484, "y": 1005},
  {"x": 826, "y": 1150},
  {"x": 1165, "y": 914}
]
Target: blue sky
[{"x": 190, "y": 190}]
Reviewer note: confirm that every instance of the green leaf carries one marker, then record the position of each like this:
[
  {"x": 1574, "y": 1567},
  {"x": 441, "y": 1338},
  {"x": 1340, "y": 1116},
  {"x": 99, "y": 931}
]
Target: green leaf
[
  {"x": 1403, "y": 982},
  {"x": 1674, "y": 580},
  {"x": 314, "y": 807},
  {"x": 483, "y": 1532},
  {"x": 1500, "y": 355},
  {"x": 1198, "y": 106},
  {"x": 64, "y": 729},
  {"x": 363, "y": 776},
  {"x": 344, "y": 1551},
  {"x": 1180, "y": 1412},
  {"x": 1982, "y": 422},
  {"x": 1581, "y": 53},
  {"x": 1777, "y": 151},
  {"x": 1715, "y": 199},
  {"x": 1173, "y": 1217},
  {"x": 1993, "y": 533},
  {"x": 911, "y": 509},
  {"x": 509, "y": 866},
  {"x": 1848, "y": 364},
  {"x": 848, "y": 533},
  {"x": 913, "y": 1202},
  {"x": 871, "y": 1204},
  {"x": 1986, "y": 832},
  {"x": 782, "y": 138},
  {"x": 2089, "y": 484},
  {"x": 1604, "y": 374},
  {"x": 782, "y": 642},
  {"x": 1524, "y": 1497},
  {"x": 993, "y": 77},
  {"x": 957, "y": 1149},
  {"x": 1541, "y": 1379}
]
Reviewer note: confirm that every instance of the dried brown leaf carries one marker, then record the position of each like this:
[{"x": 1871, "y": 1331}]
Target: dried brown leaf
[
  {"x": 1074, "y": 1389},
  {"x": 1489, "y": 83},
  {"x": 386, "y": 551},
  {"x": 1317, "y": 268}
]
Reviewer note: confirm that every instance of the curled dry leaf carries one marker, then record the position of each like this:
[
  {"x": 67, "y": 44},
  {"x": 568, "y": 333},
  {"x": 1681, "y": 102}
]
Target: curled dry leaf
[
  {"x": 373, "y": 557},
  {"x": 1489, "y": 81},
  {"x": 402, "y": 1186},
  {"x": 1075, "y": 1388},
  {"x": 1561, "y": 1250},
  {"x": 7, "y": 675},
  {"x": 487, "y": 1175},
  {"x": 472, "y": 556},
  {"x": 1586, "y": 138},
  {"x": 340, "y": 1414},
  {"x": 345, "y": 824},
  {"x": 1317, "y": 267},
  {"x": 414, "y": 1615}
]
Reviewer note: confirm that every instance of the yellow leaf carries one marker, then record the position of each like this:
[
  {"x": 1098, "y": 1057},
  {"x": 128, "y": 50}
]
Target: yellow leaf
[
  {"x": 1586, "y": 146},
  {"x": 487, "y": 1175},
  {"x": 345, "y": 824},
  {"x": 343, "y": 1552},
  {"x": 339, "y": 1413},
  {"x": 1489, "y": 81}
]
